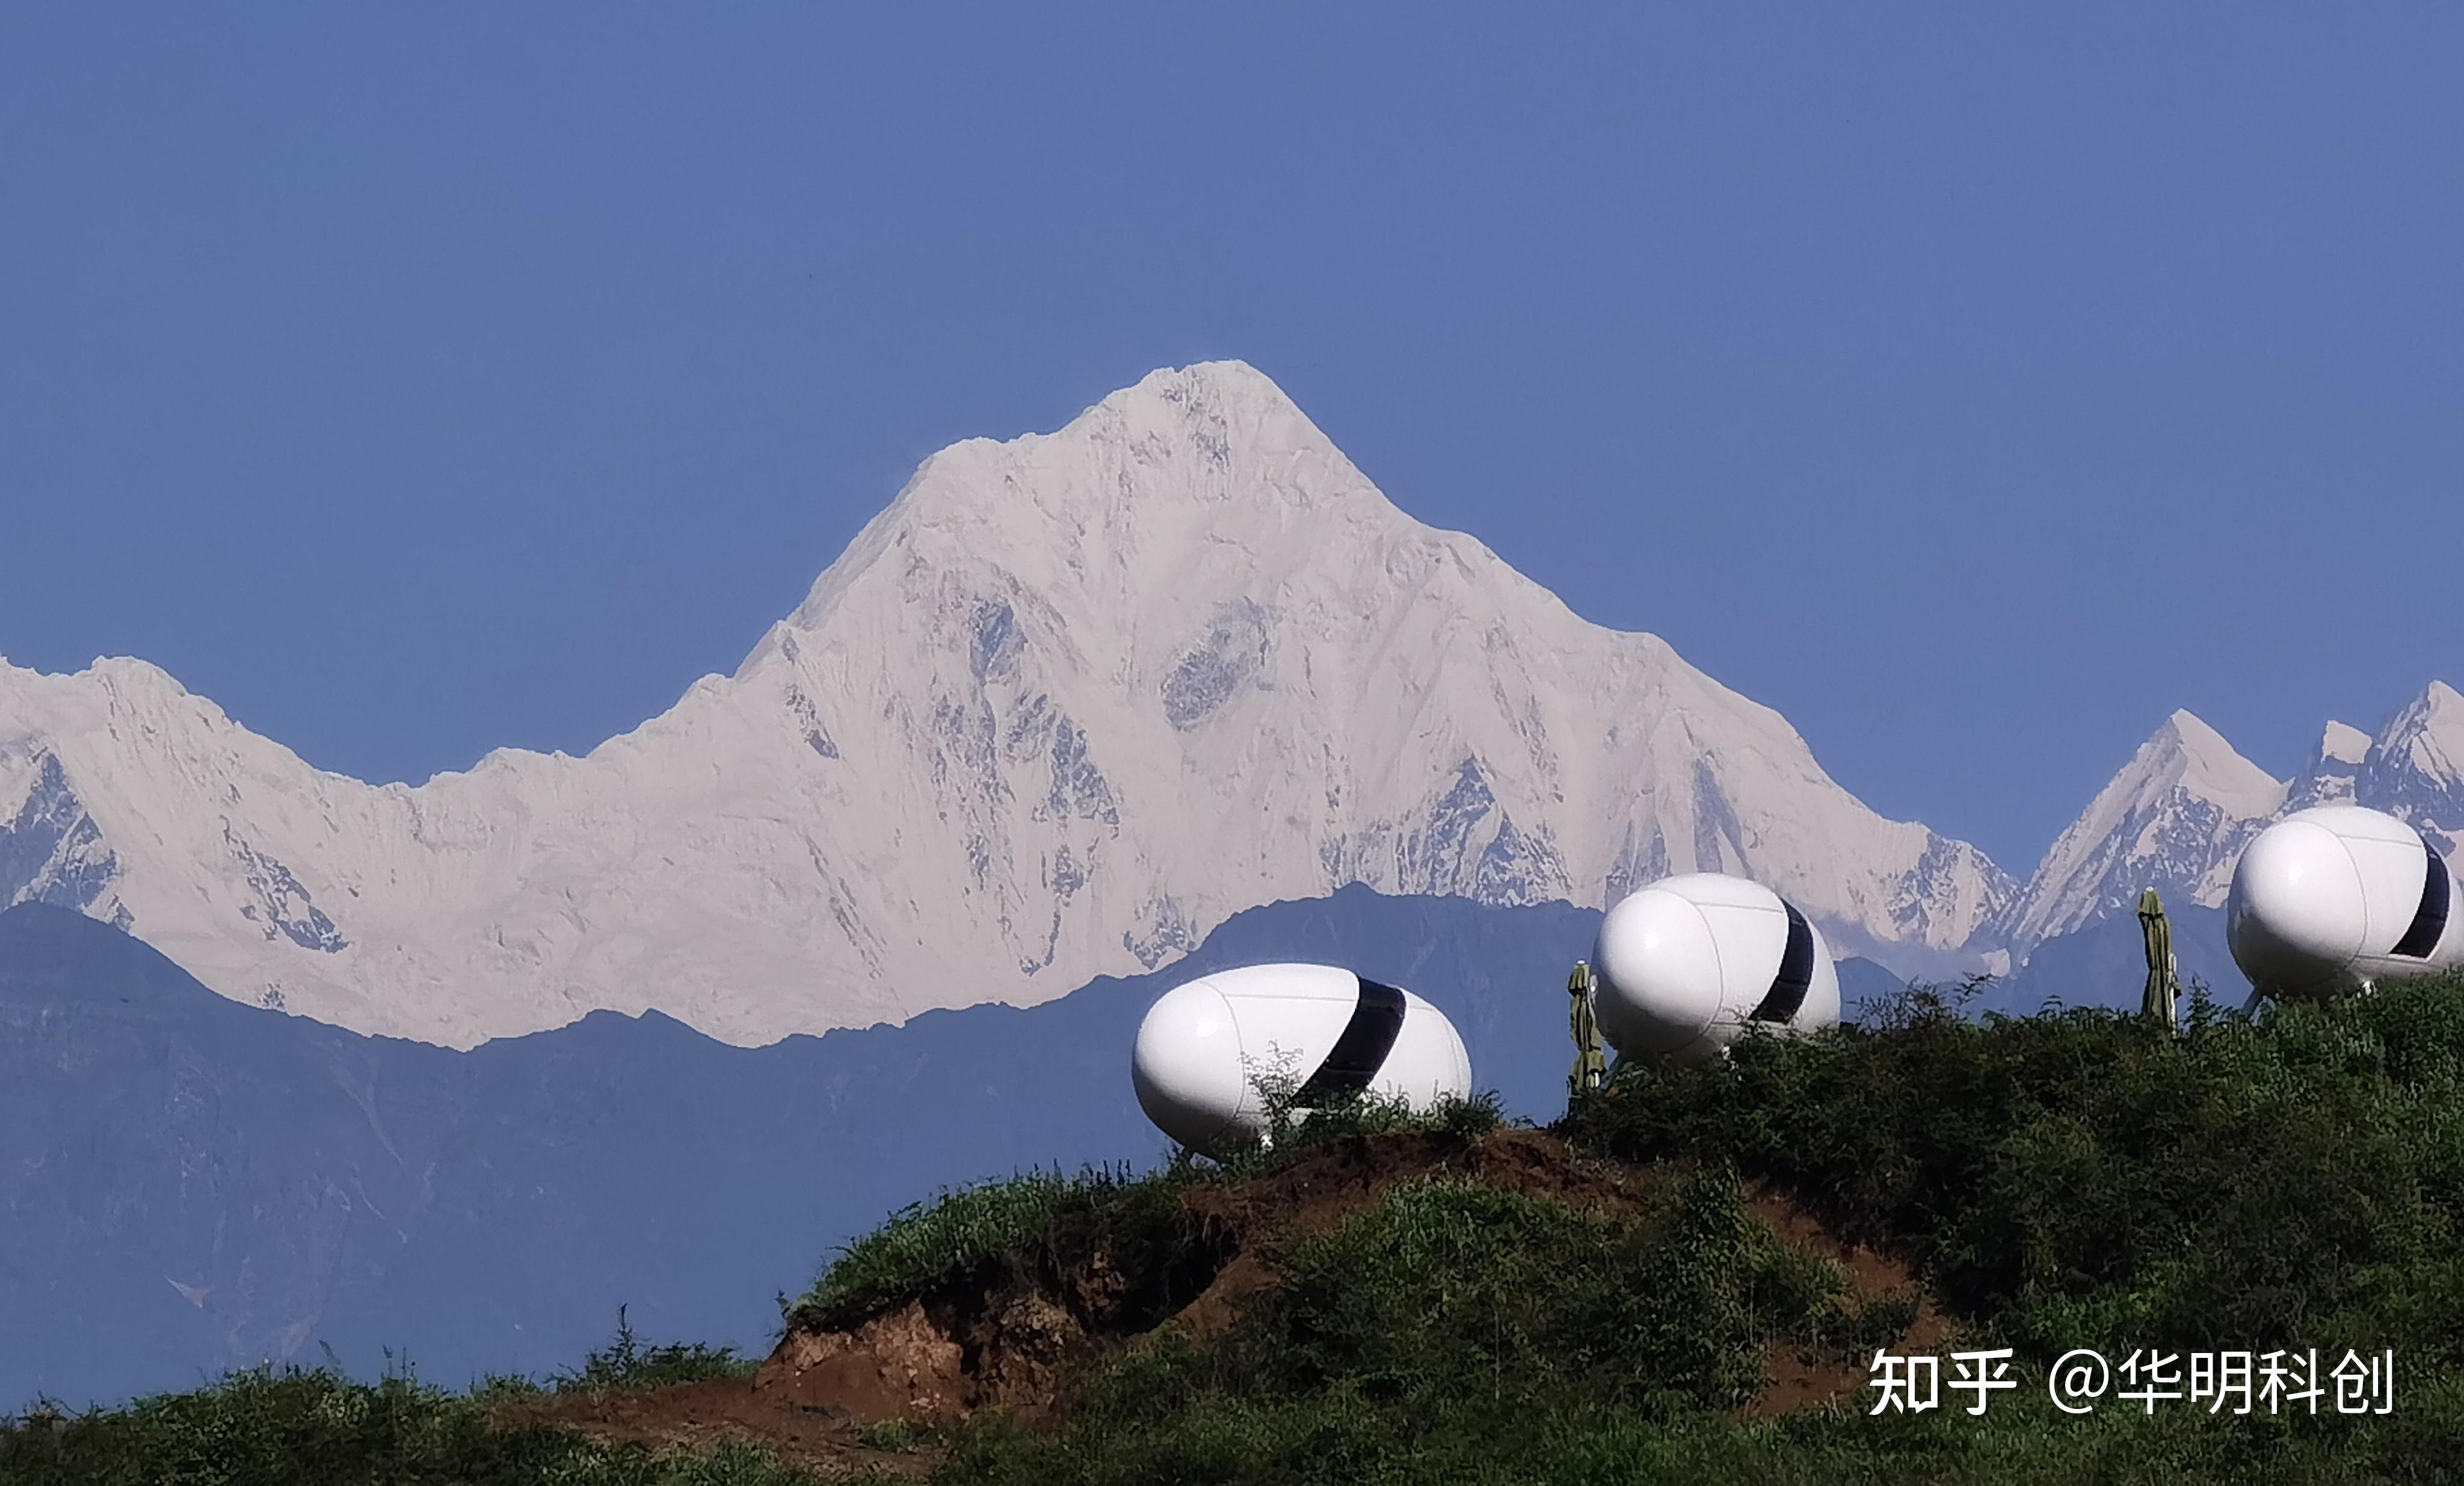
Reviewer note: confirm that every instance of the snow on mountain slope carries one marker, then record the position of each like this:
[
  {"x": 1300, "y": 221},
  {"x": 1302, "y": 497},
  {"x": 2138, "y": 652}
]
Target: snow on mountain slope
[
  {"x": 2333, "y": 768},
  {"x": 2180, "y": 811},
  {"x": 2174, "y": 819},
  {"x": 1067, "y": 703},
  {"x": 2414, "y": 770}
]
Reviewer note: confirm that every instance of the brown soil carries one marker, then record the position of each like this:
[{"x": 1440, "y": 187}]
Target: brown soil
[
  {"x": 1796, "y": 1380},
  {"x": 1008, "y": 1333}
]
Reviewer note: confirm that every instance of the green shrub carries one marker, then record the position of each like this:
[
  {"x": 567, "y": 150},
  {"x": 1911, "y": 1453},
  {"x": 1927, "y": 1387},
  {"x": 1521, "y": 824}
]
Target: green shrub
[
  {"x": 1293, "y": 1131},
  {"x": 625, "y": 1363},
  {"x": 1451, "y": 1317},
  {"x": 928, "y": 1242},
  {"x": 2085, "y": 1179}
]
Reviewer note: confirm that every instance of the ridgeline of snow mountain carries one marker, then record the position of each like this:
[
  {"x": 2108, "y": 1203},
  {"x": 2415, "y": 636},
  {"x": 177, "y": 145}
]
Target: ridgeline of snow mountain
[
  {"x": 1066, "y": 704},
  {"x": 2180, "y": 811},
  {"x": 2415, "y": 767},
  {"x": 2174, "y": 819}
]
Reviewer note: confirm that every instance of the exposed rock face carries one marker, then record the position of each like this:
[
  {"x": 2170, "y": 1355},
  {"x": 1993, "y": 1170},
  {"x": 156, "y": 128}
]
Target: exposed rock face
[
  {"x": 1066, "y": 704},
  {"x": 52, "y": 852},
  {"x": 895, "y": 1365}
]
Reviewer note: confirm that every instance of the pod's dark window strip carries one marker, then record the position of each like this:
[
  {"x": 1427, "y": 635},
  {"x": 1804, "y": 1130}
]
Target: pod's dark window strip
[
  {"x": 2429, "y": 919},
  {"x": 1795, "y": 975},
  {"x": 1377, "y": 1021}
]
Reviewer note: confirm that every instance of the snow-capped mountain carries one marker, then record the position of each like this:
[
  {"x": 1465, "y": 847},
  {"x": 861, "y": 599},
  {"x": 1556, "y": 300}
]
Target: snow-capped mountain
[
  {"x": 2415, "y": 770},
  {"x": 2180, "y": 811},
  {"x": 2174, "y": 819},
  {"x": 1067, "y": 703},
  {"x": 2333, "y": 768}
]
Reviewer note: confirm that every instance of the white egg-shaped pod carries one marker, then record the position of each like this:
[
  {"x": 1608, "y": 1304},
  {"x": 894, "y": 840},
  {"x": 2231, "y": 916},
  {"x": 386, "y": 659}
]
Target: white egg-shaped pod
[
  {"x": 1428, "y": 1063},
  {"x": 1209, "y": 1049},
  {"x": 1685, "y": 965},
  {"x": 2333, "y": 899}
]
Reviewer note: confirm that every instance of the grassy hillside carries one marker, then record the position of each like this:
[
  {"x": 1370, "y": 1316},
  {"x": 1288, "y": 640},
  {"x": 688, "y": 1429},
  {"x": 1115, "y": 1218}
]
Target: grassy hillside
[{"x": 1365, "y": 1302}]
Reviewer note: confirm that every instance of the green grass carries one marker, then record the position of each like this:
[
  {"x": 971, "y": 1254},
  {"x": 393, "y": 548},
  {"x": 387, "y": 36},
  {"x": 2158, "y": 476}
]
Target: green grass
[
  {"x": 1450, "y": 1329},
  {"x": 927, "y": 1243},
  {"x": 628, "y": 1363},
  {"x": 1292, "y": 1132},
  {"x": 930, "y": 1243},
  {"x": 314, "y": 1429},
  {"x": 1339, "y": 1436}
]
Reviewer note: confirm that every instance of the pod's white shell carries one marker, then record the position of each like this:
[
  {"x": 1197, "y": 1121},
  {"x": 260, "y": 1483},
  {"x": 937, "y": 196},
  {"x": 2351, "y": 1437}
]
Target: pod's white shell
[
  {"x": 1205, "y": 1046},
  {"x": 2320, "y": 899},
  {"x": 1680, "y": 965}
]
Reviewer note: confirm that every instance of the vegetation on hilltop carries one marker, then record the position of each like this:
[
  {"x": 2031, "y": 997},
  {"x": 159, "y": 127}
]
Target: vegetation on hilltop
[
  {"x": 2080, "y": 1179},
  {"x": 2074, "y": 1179},
  {"x": 964, "y": 1228},
  {"x": 314, "y": 1429}
]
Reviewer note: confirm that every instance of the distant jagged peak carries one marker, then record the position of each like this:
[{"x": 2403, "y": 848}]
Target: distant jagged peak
[
  {"x": 1196, "y": 487},
  {"x": 1179, "y": 466},
  {"x": 2342, "y": 749},
  {"x": 2187, "y": 753},
  {"x": 111, "y": 691},
  {"x": 2184, "y": 807},
  {"x": 2428, "y": 735},
  {"x": 2342, "y": 742},
  {"x": 2415, "y": 767},
  {"x": 2442, "y": 701},
  {"x": 124, "y": 676},
  {"x": 2183, "y": 803}
]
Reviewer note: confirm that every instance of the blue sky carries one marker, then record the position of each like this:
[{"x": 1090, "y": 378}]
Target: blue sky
[{"x": 1973, "y": 384}]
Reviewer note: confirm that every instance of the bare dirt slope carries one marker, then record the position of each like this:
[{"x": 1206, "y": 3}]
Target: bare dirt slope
[{"x": 1009, "y": 1333}]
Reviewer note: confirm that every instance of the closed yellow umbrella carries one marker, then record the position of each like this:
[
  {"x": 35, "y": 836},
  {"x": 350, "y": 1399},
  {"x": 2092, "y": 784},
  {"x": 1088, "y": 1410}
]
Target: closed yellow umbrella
[
  {"x": 2163, "y": 984},
  {"x": 1591, "y": 1064}
]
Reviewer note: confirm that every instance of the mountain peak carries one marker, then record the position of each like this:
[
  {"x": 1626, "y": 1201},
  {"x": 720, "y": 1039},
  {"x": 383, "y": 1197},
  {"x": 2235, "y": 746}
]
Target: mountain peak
[
  {"x": 1190, "y": 466},
  {"x": 2180, "y": 811},
  {"x": 2186, "y": 799},
  {"x": 2438, "y": 712},
  {"x": 1232, "y": 379},
  {"x": 2426, "y": 738},
  {"x": 2208, "y": 766},
  {"x": 2343, "y": 750},
  {"x": 125, "y": 674},
  {"x": 2342, "y": 742},
  {"x": 1068, "y": 702},
  {"x": 2415, "y": 767}
]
